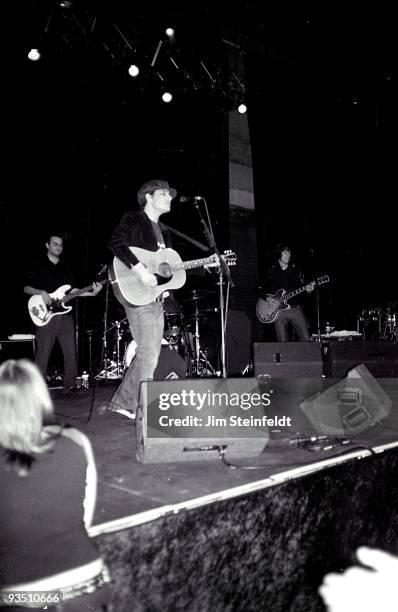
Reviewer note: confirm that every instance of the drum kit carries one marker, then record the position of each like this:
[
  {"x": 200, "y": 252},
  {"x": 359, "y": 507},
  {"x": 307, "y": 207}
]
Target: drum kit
[
  {"x": 378, "y": 324},
  {"x": 183, "y": 332}
]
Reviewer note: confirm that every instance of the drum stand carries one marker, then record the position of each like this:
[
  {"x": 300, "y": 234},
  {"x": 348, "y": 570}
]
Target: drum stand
[
  {"x": 112, "y": 368},
  {"x": 199, "y": 366}
]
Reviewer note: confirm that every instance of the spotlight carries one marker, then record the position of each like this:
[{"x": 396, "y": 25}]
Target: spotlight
[
  {"x": 134, "y": 70},
  {"x": 170, "y": 32},
  {"x": 242, "y": 108},
  {"x": 167, "y": 97},
  {"x": 34, "y": 55}
]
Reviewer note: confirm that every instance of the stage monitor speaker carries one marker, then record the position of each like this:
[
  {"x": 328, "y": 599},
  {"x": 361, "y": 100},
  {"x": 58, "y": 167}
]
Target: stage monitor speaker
[
  {"x": 170, "y": 365},
  {"x": 381, "y": 359},
  {"x": 17, "y": 349},
  {"x": 198, "y": 446},
  {"x": 349, "y": 406},
  {"x": 238, "y": 341},
  {"x": 288, "y": 359}
]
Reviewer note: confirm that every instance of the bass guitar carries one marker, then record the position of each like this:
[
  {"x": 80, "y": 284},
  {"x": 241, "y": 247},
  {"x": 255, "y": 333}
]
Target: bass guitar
[
  {"x": 166, "y": 265},
  {"x": 267, "y": 310},
  {"x": 41, "y": 313}
]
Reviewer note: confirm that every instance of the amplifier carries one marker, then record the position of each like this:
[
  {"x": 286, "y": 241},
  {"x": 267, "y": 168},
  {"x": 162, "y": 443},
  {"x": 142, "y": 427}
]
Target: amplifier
[
  {"x": 288, "y": 359},
  {"x": 381, "y": 359}
]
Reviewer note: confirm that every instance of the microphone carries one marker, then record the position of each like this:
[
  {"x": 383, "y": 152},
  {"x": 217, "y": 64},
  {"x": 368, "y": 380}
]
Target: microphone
[{"x": 183, "y": 199}]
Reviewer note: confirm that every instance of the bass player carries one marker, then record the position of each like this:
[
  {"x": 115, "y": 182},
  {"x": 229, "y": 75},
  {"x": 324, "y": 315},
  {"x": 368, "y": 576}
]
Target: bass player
[
  {"x": 46, "y": 276},
  {"x": 284, "y": 275}
]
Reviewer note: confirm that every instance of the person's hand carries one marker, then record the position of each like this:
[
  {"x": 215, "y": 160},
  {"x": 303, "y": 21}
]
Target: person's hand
[
  {"x": 363, "y": 588},
  {"x": 46, "y": 297},
  {"x": 96, "y": 288},
  {"x": 310, "y": 287},
  {"x": 273, "y": 302},
  {"x": 146, "y": 277}
]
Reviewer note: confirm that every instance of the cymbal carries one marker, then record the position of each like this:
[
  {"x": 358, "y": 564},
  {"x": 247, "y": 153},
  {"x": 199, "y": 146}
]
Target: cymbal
[{"x": 198, "y": 294}]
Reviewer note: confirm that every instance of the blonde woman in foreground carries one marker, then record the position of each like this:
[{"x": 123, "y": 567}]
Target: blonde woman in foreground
[{"x": 48, "y": 485}]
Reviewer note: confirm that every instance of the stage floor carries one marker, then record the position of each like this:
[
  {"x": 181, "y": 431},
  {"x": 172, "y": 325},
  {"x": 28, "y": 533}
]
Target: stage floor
[{"x": 128, "y": 488}]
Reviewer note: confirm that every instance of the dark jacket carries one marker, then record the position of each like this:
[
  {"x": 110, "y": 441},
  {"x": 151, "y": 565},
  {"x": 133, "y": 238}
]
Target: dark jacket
[
  {"x": 135, "y": 229},
  {"x": 289, "y": 279}
]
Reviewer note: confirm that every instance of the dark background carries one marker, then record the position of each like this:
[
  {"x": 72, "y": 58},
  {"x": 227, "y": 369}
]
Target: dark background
[{"x": 80, "y": 136}]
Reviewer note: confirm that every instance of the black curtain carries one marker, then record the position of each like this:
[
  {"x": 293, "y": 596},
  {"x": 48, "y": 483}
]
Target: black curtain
[{"x": 313, "y": 170}]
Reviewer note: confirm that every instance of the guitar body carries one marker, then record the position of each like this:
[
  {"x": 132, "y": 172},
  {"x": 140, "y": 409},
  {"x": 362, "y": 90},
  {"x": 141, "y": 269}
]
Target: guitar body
[
  {"x": 266, "y": 312},
  {"x": 127, "y": 285},
  {"x": 40, "y": 313}
]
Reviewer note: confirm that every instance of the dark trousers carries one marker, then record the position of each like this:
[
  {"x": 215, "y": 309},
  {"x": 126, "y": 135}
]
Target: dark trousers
[
  {"x": 61, "y": 328},
  {"x": 295, "y": 318}
]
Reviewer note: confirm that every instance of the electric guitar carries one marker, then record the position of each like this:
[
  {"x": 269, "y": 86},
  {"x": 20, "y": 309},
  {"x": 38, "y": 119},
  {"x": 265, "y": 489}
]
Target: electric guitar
[
  {"x": 41, "y": 313},
  {"x": 268, "y": 313},
  {"x": 166, "y": 265}
]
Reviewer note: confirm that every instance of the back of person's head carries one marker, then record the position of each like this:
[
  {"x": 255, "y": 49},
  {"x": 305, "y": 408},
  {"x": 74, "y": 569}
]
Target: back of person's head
[{"x": 25, "y": 407}]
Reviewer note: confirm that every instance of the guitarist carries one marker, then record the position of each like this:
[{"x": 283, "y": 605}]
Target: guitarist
[
  {"x": 142, "y": 229},
  {"x": 284, "y": 275},
  {"x": 46, "y": 275}
]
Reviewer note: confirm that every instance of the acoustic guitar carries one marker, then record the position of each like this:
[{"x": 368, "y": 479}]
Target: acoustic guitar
[{"x": 166, "y": 265}]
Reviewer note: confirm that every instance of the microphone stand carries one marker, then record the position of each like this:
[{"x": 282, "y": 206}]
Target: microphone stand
[
  {"x": 104, "y": 346},
  {"x": 318, "y": 313},
  {"x": 224, "y": 270},
  {"x": 77, "y": 336}
]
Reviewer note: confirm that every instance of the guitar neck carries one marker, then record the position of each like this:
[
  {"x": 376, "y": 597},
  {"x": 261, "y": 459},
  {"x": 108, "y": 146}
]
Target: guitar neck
[
  {"x": 193, "y": 263},
  {"x": 79, "y": 292},
  {"x": 291, "y": 294},
  {"x": 317, "y": 282}
]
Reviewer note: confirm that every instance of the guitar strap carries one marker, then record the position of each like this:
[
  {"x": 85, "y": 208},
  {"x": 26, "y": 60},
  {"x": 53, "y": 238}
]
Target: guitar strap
[{"x": 187, "y": 238}]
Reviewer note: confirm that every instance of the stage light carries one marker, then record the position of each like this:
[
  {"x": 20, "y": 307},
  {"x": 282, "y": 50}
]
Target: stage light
[
  {"x": 34, "y": 55},
  {"x": 170, "y": 32},
  {"x": 134, "y": 71},
  {"x": 242, "y": 108},
  {"x": 167, "y": 97}
]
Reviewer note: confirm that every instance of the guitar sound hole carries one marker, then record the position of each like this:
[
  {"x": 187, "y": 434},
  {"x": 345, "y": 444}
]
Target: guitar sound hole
[{"x": 165, "y": 270}]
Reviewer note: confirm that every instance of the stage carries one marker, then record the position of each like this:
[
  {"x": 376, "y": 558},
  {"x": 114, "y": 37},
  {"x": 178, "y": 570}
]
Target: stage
[{"x": 200, "y": 535}]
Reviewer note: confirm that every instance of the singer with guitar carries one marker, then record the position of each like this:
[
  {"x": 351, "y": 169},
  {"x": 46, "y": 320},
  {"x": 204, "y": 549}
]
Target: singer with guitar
[
  {"x": 284, "y": 275},
  {"x": 143, "y": 272},
  {"x": 45, "y": 277},
  {"x": 146, "y": 320}
]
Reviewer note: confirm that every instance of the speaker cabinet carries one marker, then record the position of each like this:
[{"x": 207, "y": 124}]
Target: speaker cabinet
[
  {"x": 238, "y": 341},
  {"x": 17, "y": 349},
  {"x": 381, "y": 359},
  {"x": 349, "y": 406},
  {"x": 288, "y": 359},
  {"x": 170, "y": 365},
  {"x": 196, "y": 442}
]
